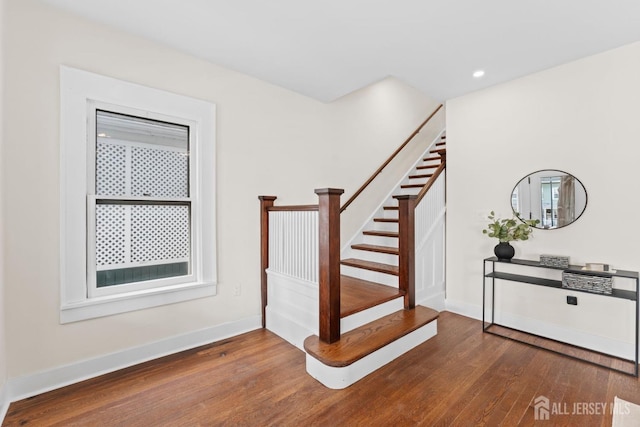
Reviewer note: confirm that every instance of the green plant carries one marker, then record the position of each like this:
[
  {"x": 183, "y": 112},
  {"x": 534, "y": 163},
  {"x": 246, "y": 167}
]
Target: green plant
[{"x": 509, "y": 229}]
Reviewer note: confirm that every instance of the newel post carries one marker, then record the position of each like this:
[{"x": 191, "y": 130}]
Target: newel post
[
  {"x": 443, "y": 156},
  {"x": 265, "y": 203},
  {"x": 329, "y": 262},
  {"x": 407, "y": 248}
]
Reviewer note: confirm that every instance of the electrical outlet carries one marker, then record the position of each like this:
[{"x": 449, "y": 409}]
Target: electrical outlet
[
  {"x": 237, "y": 290},
  {"x": 572, "y": 300}
]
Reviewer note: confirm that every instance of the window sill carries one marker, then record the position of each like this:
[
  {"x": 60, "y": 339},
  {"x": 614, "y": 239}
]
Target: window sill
[{"x": 122, "y": 303}]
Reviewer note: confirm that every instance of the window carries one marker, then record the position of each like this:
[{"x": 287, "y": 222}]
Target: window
[
  {"x": 137, "y": 197},
  {"x": 549, "y": 187},
  {"x": 139, "y": 214}
]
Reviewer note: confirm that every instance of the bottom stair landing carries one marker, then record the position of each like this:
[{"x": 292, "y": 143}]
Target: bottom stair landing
[{"x": 365, "y": 349}]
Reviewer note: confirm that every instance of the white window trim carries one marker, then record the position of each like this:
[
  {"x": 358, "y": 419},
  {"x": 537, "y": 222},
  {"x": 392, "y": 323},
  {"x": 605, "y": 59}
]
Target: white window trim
[{"x": 77, "y": 89}]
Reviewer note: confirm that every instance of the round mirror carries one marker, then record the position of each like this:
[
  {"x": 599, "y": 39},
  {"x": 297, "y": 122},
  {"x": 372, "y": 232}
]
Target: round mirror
[{"x": 553, "y": 197}]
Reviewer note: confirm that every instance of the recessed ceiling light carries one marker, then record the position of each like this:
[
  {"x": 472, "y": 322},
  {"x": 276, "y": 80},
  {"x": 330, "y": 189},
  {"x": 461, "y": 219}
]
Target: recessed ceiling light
[{"x": 478, "y": 73}]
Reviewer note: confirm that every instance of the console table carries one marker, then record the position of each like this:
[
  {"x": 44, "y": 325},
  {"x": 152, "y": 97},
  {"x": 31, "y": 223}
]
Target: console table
[{"x": 489, "y": 325}]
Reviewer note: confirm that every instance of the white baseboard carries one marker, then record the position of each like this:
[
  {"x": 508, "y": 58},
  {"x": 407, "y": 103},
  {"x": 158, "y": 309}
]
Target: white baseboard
[
  {"x": 464, "y": 309},
  {"x": 33, "y": 384},
  {"x": 361, "y": 318},
  {"x": 547, "y": 329},
  {"x": 4, "y": 402},
  {"x": 287, "y": 328},
  {"x": 572, "y": 336},
  {"x": 436, "y": 302}
]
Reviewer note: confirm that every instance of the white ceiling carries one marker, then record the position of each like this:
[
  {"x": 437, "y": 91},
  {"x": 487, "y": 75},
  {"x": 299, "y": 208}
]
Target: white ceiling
[{"x": 326, "y": 49}]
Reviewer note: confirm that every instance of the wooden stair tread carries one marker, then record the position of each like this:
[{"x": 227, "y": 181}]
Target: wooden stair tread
[
  {"x": 412, "y": 185},
  {"x": 427, "y": 159},
  {"x": 376, "y": 248},
  {"x": 360, "y": 342},
  {"x": 423, "y": 175},
  {"x": 427, "y": 167},
  {"x": 357, "y": 295},
  {"x": 440, "y": 144},
  {"x": 438, "y": 150},
  {"x": 385, "y": 219},
  {"x": 371, "y": 265},
  {"x": 380, "y": 233},
  {"x": 391, "y": 208}
]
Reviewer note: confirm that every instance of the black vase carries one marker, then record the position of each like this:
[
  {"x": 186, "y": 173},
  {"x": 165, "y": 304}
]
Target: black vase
[{"x": 504, "y": 251}]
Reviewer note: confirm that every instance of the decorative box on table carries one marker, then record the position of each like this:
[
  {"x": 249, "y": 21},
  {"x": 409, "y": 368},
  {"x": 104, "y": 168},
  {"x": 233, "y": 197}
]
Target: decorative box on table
[
  {"x": 559, "y": 261},
  {"x": 591, "y": 282}
]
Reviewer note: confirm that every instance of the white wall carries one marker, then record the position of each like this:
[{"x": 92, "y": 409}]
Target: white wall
[
  {"x": 353, "y": 218},
  {"x": 3, "y": 350},
  {"x": 270, "y": 141},
  {"x": 582, "y": 118}
]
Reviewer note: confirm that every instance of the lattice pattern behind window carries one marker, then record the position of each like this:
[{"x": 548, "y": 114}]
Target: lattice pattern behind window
[
  {"x": 159, "y": 232},
  {"x": 110, "y": 169},
  {"x": 110, "y": 234},
  {"x": 159, "y": 173}
]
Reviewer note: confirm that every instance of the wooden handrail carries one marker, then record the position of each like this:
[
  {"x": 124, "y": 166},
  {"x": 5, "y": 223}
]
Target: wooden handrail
[
  {"x": 433, "y": 179},
  {"x": 395, "y": 153},
  {"x": 293, "y": 208}
]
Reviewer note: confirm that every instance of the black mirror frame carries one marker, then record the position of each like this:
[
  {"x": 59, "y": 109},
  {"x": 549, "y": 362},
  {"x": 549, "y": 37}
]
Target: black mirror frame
[{"x": 586, "y": 197}]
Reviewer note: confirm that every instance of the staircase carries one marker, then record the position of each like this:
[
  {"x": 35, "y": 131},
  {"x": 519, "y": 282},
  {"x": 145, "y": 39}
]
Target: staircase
[
  {"x": 369, "y": 282},
  {"x": 378, "y": 251},
  {"x": 367, "y": 301}
]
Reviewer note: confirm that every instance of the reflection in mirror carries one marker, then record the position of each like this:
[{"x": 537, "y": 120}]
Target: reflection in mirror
[{"x": 554, "y": 197}]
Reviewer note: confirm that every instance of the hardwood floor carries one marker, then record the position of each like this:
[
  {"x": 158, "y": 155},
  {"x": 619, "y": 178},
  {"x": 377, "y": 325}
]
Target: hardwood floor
[{"x": 461, "y": 377}]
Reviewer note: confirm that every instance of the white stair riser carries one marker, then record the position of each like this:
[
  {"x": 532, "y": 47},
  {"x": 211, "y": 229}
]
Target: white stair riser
[
  {"x": 384, "y": 226},
  {"x": 369, "y": 315},
  {"x": 339, "y": 378},
  {"x": 371, "y": 276},
  {"x": 432, "y": 166},
  {"x": 375, "y": 256},
  {"x": 380, "y": 241},
  {"x": 357, "y": 253},
  {"x": 421, "y": 181},
  {"x": 390, "y": 214},
  {"x": 415, "y": 181}
]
